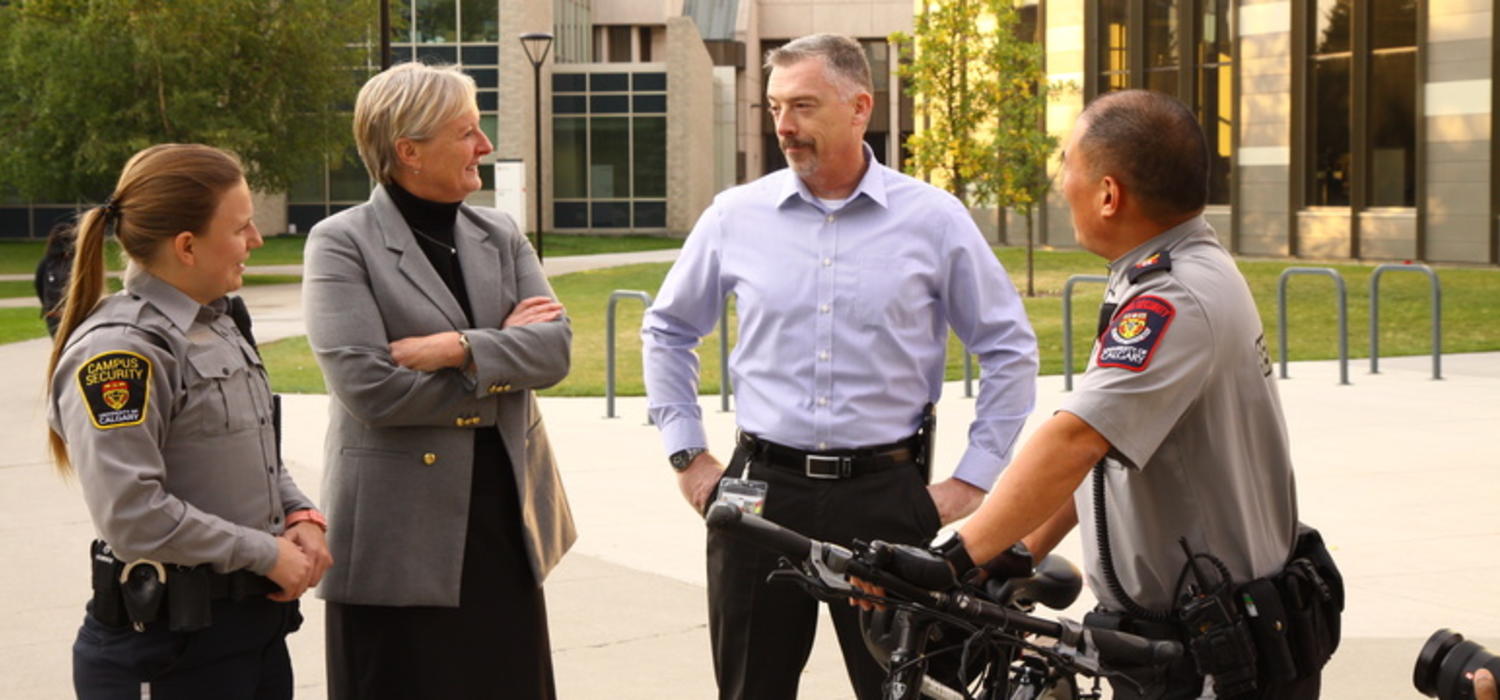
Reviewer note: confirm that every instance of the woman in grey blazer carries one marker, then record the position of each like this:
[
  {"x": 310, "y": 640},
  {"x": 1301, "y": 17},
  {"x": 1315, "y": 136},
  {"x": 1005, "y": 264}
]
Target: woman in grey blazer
[{"x": 433, "y": 323}]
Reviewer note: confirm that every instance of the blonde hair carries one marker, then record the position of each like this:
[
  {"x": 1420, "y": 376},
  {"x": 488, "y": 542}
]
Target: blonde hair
[
  {"x": 407, "y": 101},
  {"x": 163, "y": 191}
]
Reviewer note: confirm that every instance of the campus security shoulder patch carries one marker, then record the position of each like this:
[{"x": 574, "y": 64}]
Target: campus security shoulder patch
[
  {"x": 1135, "y": 332},
  {"x": 116, "y": 388}
]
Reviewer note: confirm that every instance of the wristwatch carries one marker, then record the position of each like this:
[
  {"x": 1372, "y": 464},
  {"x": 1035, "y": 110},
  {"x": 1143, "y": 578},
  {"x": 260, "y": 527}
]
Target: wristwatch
[
  {"x": 682, "y": 458},
  {"x": 950, "y": 546}
]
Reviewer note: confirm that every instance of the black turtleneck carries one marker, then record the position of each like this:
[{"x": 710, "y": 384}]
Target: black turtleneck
[{"x": 432, "y": 227}]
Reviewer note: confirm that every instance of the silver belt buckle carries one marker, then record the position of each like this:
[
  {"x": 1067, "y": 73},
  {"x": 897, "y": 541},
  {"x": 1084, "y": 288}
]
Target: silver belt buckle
[{"x": 835, "y": 473}]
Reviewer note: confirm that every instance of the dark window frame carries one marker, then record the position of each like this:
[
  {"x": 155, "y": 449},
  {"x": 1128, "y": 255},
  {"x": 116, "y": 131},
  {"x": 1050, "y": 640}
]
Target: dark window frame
[
  {"x": 1361, "y": 53},
  {"x": 1189, "y": 17}
]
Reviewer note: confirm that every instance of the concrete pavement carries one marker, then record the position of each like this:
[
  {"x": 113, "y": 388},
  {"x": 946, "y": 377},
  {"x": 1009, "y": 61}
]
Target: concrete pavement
[{"x": 1397, "y": 470}]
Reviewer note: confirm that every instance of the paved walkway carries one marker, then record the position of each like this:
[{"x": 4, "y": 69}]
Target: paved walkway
[{"x": 1397, "y": 470}]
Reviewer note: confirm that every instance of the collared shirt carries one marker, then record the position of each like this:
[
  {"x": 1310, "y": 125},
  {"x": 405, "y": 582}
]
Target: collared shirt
[
  {"x": 843, "y": 318},
  {"x": 166, "y": 411},
  {"x": 1181, "y": 386}
]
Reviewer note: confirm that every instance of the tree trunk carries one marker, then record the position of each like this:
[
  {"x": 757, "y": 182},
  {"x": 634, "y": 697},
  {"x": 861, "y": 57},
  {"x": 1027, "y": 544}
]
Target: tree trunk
[{"x": 1030, "y": 252}]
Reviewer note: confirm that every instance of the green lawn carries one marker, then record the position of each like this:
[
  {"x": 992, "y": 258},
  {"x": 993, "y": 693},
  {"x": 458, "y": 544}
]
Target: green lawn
[
  {"x": 22, "y": 323},
  {"x": 1471, "y": 319},
  {"x": 21, "y": 256}
]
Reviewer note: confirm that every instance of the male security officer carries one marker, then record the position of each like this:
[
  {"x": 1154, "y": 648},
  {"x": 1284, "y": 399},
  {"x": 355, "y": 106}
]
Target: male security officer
[
  {"x": 1178, "y": 407},
  {"x": 847, "y": 277}
]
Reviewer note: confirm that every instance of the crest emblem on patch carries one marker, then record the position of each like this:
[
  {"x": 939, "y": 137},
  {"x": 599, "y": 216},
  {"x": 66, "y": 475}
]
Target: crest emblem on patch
[
  {"x": 116, "y": 388},
  {"x": 116, "y": 394},
  {"x": 1148, "y": 262},
  {"x": 1135, "y": 333},
  {"x": 1132, "y": 327}
]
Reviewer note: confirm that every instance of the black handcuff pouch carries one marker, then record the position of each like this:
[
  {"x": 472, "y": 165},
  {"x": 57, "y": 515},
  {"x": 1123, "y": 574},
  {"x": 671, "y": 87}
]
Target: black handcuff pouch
[{"x": 1295, "y": 613}]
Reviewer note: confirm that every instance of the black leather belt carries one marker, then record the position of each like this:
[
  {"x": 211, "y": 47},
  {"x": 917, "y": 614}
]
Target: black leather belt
[{"x": 829, "y": 464}]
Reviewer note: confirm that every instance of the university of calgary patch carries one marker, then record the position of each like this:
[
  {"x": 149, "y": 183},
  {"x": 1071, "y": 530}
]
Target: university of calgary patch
[
  {"x": 116, "y": 388},
  {"x": 1134, "y": 333}
]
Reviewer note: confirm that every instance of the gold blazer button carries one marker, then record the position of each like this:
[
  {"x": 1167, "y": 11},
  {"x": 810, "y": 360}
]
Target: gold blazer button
[{"x": 429, "y": 459}]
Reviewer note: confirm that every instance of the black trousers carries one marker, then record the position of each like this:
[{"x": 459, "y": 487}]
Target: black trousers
[
  {"x": 241, "y": 656},
  {"x": 762, "y": 633}
]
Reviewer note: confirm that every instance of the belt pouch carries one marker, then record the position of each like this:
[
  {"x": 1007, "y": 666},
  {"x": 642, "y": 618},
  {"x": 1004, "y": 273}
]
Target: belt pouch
[
  {"x": 109, "y": 604},
  {"x": 1270, "y": 627},
  {"x": 189, "y": 599}
]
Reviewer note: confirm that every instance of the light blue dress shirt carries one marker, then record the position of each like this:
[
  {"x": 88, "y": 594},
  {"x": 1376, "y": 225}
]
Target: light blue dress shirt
[{"x": 843, "y": 318}]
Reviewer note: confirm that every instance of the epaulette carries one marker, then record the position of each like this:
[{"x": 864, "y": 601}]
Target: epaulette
[{"x": 1161, "y": 261}]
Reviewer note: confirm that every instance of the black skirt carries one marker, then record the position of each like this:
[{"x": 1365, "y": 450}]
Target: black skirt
[{"x": 493, "y": 645}]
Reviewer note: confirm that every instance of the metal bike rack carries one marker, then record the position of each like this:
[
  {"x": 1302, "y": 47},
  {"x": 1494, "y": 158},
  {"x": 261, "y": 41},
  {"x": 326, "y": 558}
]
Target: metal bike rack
[
  {"x": 1343, "y": 315},
  {"x": 968, "y": 374},
  {"x": 724, "y": 388},
  {"x": 609, "y": 345},
  {"x": 1067, "y": 328},
  {"x": 1437, "y": 316}
]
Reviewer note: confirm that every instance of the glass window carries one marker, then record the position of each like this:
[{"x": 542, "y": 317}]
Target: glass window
[
  {"x": 1392, "y": 106},
  {"x": 480, "y": 55},
  {"x": 1027, "y": 26},
  {"x": 437, "y": 55},
  {"x": 1161, "y": 46},
  {"x": 488, "y": 101},
  {"x": 609, "y": 157},
  {"x": 569, "y": 157},
  {"x": 650, "y": 156},
  {"x": 436, "y": 21},
  {"x": 619, "y": 44},
  {"x": 485, "y": 77},
  {"x": 611, "y": 215},
  {"x": 649, "y": 81},
  {"x": 645, "y": 39},
  {"x": 1114, "y": 33},
  {"x": 569, "y": 82},
  {"x": 570, "y": 215},
  {"x": 349, "y": 182},
  {"x": 609, "y": 104},
  {"x": 481, "y": 20},
  {"x": 1333, "y": 26},
  {"x": 308, "y": 186},
  {"x": 651, "y": 214},
  {"x": 1214, "y": 98},
  {"x": 1328, "y": 132},
  {"x": 609, "y": 82},
  {"x": 650, "y": 103},
  {"x": 490, "y": 124},
  {"x": 570, "y": 104}
]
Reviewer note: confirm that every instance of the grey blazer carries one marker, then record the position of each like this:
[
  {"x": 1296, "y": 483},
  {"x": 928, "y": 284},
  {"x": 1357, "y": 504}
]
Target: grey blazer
[{"x": 399, "y": 454}]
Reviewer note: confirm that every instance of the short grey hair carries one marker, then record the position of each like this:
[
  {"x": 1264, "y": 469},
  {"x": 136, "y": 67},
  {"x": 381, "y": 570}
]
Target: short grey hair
[
  {"x": 843, "y": 58},
  {"x": 407, "y": 101}
]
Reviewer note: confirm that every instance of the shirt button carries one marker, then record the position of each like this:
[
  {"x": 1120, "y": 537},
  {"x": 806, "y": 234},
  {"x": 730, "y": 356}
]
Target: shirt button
[
  {"x": 823, "y": 354},
  {"x": 827, "y": 262},
  {"x": 822, "y": 400},
  {"x": 824, "y": 309},
  {"x": 830, "y": 218},
  {"x": 822, "y": 446}
]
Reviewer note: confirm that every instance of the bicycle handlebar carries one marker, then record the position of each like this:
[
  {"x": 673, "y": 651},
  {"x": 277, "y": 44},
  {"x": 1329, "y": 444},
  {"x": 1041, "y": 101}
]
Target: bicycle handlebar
[{"x": 1114, "y": 648}]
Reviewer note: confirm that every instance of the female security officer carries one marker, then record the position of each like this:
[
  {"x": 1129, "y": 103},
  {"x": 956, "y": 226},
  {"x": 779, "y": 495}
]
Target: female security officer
[{"x": 160, "y": 404}]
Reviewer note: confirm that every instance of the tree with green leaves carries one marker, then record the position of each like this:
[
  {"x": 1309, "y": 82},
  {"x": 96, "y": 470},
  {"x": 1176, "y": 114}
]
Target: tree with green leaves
[
  {"x": 942, "y": 67},
  {"x": 84, "y": 84},
  {"x": 1019, "y": 140}
]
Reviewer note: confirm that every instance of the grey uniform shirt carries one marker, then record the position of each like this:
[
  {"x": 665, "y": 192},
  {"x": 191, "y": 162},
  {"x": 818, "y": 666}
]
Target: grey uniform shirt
[
  {"x": 166, "y": 411},
  {"x": 1181, "y": 386}
]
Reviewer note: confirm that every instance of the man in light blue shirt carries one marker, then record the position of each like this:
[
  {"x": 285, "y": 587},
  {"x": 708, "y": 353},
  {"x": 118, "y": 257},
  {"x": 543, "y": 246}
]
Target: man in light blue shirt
[{"x": 847, "y": 276}]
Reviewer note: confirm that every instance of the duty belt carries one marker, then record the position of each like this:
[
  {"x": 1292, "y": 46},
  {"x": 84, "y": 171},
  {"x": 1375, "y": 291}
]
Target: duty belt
[{"x": 829, "y": 464}]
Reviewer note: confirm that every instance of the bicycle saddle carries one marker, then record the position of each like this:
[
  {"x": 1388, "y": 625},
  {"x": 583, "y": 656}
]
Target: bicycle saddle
[{"x": 1055, "y": 583}]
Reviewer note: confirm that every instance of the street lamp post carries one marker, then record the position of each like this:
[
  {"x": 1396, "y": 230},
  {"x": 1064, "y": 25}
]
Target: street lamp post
[{"x": 537, "y": 44}]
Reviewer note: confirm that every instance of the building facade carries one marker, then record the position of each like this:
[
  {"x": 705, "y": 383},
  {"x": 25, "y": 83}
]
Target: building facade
[{"x": 1341, "y": 129}]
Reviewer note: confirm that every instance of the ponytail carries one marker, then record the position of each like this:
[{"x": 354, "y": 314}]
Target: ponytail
[
  {"x": 85, "y": 287},
  {"x": 163, "y": 191}
]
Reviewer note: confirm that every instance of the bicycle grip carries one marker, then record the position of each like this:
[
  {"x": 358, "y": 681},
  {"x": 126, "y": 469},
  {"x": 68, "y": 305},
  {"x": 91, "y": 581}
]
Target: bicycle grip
[
  {"x": 1124, "y": 650},
  {"x": 762, "y": 532}
]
